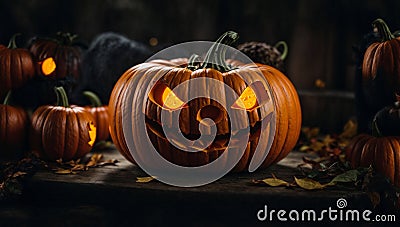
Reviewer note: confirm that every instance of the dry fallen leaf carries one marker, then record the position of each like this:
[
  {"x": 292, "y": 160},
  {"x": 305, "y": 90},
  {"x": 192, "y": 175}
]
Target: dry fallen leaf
[
  {"x": 64, "y": 171},
  {"x": 309, "y": 184},
  {"x": 349, "y": 130},
  {"x": 79, "y": 167},
  {"x": 144, "y": 179},
  {"x": 94, "y": 160},
  {"x": 108, "y": 162},
  {"x": 275, "y": 182},
  {"x": 18, "y": 174}
]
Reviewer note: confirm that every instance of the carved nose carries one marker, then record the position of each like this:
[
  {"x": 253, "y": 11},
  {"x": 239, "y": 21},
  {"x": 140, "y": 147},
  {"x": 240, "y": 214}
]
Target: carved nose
[{"x": 212, "y": 112}]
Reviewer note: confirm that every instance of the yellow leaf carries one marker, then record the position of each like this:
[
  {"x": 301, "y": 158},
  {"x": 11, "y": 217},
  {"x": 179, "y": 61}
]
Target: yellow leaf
[
  {"x": 317, "y": 146},
  {"x": 94, "y": 160},
  {"x": 349, "y": 129},
  {"x": 63, "y": 171},
  {"x": 144, "y": 179},
  {"x": 304, "y": 148},
  {"x": 18, "y": 174},
  {"x": 309, "y": 184},
  {"x": 79, "y": 167},
  {"x": 275, "y": 182}
]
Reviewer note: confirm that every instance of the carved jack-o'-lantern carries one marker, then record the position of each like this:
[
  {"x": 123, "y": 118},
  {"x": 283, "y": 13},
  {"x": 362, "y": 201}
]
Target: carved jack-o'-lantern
[{"x": 253, "y": 84}]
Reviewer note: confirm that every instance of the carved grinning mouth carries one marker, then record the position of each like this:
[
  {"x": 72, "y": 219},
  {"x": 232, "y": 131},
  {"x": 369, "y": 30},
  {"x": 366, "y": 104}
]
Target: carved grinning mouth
[{"x": 220, "y": 141}]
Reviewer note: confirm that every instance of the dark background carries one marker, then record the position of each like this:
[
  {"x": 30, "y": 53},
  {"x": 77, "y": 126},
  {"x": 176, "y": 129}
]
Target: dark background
[{"x": 320, "y": 34}]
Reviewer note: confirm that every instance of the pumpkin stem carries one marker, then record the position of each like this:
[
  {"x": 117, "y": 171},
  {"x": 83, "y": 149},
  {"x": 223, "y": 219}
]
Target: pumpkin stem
[
  {"x": 66, "y": 38},
  {"x": 94, "y": 99},
  {"x": 193, "y": 62},
  {"x": 7, "y": 98},
  {"x": 285, "y": 49},
  {"x": 215, "y": 57},
  {"x": 12, "y": 44},
  {"x": 383, "y": 30},
  {"x": 62, "y": 98}
]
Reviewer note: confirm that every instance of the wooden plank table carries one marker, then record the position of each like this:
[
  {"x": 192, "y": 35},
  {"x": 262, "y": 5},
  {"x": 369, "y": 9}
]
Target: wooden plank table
[{"x": 109, "y": 195}]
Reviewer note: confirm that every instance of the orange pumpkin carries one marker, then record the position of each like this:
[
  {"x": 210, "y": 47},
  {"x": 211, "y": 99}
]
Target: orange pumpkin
[
  {"x": 16, "y": 66},
  {"x": 58, "y": 58},
  {"x": 177, "y": 71},
  {"x": 380, "y": 69},
  {"x": 14, "y": 124},
  {"x": 382, "y": 152},
  {"x": 100, "y": 115},
  {"x": 62, "y": 131}
]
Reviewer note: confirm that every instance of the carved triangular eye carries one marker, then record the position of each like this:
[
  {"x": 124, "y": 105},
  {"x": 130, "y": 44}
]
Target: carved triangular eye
[
  {"x": 252, "y": 97},
  {"x": 164, "y": 97}
]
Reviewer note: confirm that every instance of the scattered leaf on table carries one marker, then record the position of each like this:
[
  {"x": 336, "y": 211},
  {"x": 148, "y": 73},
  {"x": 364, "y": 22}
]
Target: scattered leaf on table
[
  {"x": 18, "y": 174},
  {"x": 64, "y": 171},
  {"x": 108, "y": 162},
  {"x": 94, "y": 160},
  {"x": 346, "y": 177},
  {"x": 144, "y": 179},
  {"x": 275, "y": 182},
  {"x": 309, "y": 184},
  {"x": 349, "y": 129},
  {"x": 79, "y": 167}
]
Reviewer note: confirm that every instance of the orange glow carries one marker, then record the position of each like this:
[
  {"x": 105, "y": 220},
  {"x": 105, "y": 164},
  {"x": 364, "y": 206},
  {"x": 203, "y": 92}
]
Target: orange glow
[
  {"x": 92, "y": 133},
  {"x": 247, "y": 100},
  {"x": 48, "y": 66},
  {"x": 170, "y": 100}
]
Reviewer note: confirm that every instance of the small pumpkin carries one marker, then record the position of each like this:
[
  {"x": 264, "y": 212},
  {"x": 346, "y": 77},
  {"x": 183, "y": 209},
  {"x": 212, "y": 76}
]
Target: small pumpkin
[
  {"x": 382, "y": 152},
  {"x": 100, "y": 115},
  {"x": 16, "y": 66},
  {"x": 58, "y": 58},
  {"x": 382, "y": 148},
  {"x": 387, "y": 120},
  {"x": 62, "y": 131},
  {"x": 14, "y": 124},
  {"x": 380, "y": 68},
  {"x": 174, "y": 72}
]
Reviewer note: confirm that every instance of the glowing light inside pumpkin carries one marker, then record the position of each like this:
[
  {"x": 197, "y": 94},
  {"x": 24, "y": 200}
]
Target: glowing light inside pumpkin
[
  {"x": 170, "y": 100},
  {"x": 92, "y": 133},
  {"x": 247, "y": 100},
  {"x": 48, "y": 66}
]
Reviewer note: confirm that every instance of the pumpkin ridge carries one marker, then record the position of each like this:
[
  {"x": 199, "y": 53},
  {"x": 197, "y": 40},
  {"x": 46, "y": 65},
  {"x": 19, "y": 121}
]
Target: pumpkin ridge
[
  {"x": 67, "y": 137},
  {"x": 287, "y": 145},
  {"x": 367, "y": 71},
  {"x": 20, "y": 69},
  {"x": 395, "y": 144},
  {"x": 53, "y": 148}
]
